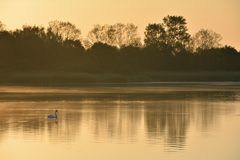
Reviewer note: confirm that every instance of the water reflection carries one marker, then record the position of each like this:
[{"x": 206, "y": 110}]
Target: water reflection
[
  {"x": 115, "y": 121},
  {"x": 154, "y": 115},
  {"x": 161, "y": 121},
  {"x": 168, "y": 121}
]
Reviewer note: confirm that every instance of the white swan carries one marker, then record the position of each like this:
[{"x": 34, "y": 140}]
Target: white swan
[{"x": 51, "y": 116}]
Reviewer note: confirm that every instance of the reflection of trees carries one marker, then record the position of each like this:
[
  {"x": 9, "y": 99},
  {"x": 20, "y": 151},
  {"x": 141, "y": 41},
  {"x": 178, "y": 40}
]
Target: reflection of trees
[
  {"x": 20, "y": 121},
  {"x": 118, "y": 122},
  {"x": 160, "y": 121},
  {"x": 66, "y": 127},
  {"x": 169, "y": 121},
  {"x": 207, "y": 117}
]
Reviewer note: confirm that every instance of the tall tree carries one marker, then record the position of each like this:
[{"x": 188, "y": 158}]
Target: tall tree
[
  {"x": 155, "y": 36},
  {"x": 171, "y": 35},
  {"x": 63, "y": 30},
  {"x": 206, "y": 39},
  {"x": 177, "y": 36}
]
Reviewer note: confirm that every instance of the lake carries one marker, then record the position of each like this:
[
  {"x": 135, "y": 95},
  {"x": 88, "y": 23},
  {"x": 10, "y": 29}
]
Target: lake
[{"x": 138, "y": 121}]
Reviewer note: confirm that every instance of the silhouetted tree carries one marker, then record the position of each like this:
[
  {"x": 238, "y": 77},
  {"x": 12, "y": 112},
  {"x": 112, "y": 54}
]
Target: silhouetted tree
[
  {"x": 206, "y": 39},
  {"x": 177, "y": 36},
  {"x": 30, "y": 39},
  {"x": 2, "y": 26},
  {"x": 96, "y": 35},
  {"x": 126, "y": 35},
  {"x": 155, "y": 36},
  {"x": 64, "y": 30},
  {"x": 73, "y": 44},
  {"x": 171, "y": 35},
  {"x": 114, "y": 48},
  {"x": 4, "y": 36},
  {"x": 30, "y": 32},
  {"x": 118, "y": 35},
  {"x": 102, "y": 48}
]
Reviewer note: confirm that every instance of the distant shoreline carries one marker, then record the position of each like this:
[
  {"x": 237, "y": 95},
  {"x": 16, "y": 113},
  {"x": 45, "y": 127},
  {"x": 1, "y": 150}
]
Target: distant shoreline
[{"x": 147, "y": 78}]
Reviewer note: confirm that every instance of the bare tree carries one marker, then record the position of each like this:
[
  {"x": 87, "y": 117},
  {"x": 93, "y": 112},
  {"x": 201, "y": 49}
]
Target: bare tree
[
  {"x": 65, "y": 30},
  {"x": 97, "y": 34},
  {"x": 131, "y": 36},
  {"x": 206, "y": 39},
  {"x": 118, "y": 35}
]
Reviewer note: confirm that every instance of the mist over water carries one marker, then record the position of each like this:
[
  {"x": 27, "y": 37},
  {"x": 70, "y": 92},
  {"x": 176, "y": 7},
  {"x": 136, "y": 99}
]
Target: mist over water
[{"x": 121, "y": 122}]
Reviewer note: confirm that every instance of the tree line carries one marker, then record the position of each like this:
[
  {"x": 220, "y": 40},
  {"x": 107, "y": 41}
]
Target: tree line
[{"x": 167, "y": 46}]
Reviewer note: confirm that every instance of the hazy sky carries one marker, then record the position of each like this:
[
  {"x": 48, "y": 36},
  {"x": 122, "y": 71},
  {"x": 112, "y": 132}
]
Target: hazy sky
[{"x": 222, "y": 16}]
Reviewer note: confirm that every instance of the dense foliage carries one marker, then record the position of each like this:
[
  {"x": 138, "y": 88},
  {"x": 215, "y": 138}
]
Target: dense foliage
[{"x": 115, "y": 48}]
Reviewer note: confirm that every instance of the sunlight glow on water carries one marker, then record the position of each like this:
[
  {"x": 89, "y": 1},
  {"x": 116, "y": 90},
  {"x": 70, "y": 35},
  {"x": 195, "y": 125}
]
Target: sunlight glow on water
[{"x": 148, "y": 122}]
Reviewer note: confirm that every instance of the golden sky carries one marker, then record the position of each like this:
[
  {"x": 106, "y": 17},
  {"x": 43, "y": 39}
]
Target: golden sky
[{"x": 222, "y": 16}]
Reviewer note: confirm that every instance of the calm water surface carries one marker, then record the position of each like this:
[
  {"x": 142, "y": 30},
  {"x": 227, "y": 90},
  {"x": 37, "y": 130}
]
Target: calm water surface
[{"x": 132, "y": 122}]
